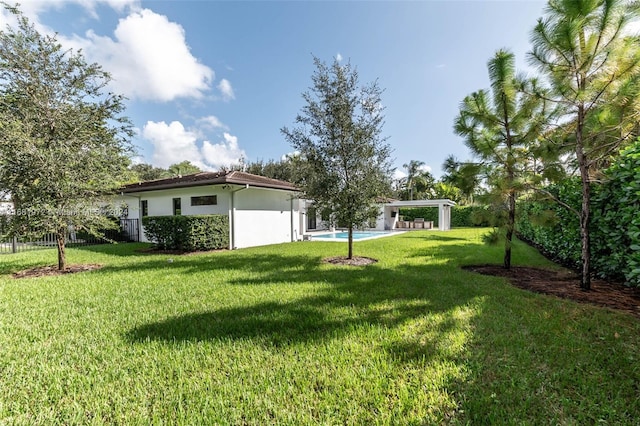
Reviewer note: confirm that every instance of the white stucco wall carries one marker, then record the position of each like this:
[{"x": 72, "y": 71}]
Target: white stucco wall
[
  {"x": 260, "y": 216},
  {"x": 160, "y": 203},
  {"x": 263, "y": 216}
]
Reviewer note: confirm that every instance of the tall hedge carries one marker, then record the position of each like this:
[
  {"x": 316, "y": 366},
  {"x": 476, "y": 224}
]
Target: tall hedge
[
  {"x": 552, "y": 227},
  {"x": 615, "y": 224},
  {"x": 188, "y": 233},
  {"x": 616, "y": 217},
  {"x": 461, "y": 216}
]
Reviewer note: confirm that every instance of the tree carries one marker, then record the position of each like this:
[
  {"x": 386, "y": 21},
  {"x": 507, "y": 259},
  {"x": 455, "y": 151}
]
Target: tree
[
  {"x": 182, "y": 169},
  {"x": 284, "y": 169},
  {"x": 144, "y": 172},
  {"x": 443, "y": 190},
  {"x": 343, "y": 158},
  {"x": 593, "y": 68},
  {"x": 499, "y": 126},
  {"x": 414, "y": 176},
  {"x": 64, "y": 141},
  {"x": 462, "y": 175}
]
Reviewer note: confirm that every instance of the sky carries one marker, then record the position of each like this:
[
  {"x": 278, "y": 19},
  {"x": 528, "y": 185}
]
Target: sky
[{"x": 214, "y": 81}]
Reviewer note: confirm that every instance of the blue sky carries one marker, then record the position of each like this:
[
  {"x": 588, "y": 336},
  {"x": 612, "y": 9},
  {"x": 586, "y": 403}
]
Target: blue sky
[{"x": 211, "y": 81}]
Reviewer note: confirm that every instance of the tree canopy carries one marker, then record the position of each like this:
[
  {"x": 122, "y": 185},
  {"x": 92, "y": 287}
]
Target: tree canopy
[
  {"x": 593, "y": 69},
  {"x": 65, "y": 141},
  {"x": 344, "y": 160},
  {"x": 499, "y": 127}
]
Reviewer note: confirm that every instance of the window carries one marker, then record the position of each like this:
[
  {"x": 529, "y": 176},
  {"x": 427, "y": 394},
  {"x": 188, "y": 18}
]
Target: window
[
  {"x": 144, "y": 206},
  {"x": 205, "y": 200},
  {"x": 177, "y": 206}
]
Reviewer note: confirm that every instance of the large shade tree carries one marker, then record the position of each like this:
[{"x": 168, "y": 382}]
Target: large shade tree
[
  {"x": 499, "y": 126},
  {"x": 592, "y": 66},
  {"x": 344, "y": 164},
  {"x": 64, "y": 139}
]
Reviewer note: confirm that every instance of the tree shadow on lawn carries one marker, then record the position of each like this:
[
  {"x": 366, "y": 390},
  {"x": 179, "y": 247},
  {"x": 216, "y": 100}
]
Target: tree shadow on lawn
[
  {"x": 429, "y": 236},
  {"x": 116, "y": 249},
  {"x": 231, "y": 261},
  {"x": 355, "y": 298}
]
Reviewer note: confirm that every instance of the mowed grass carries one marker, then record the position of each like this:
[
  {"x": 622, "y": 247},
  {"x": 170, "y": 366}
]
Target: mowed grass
[{"x": 272, "y": 335}]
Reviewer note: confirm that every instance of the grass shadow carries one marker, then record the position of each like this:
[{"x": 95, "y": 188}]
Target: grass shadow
[{"x": 355, "y": 297}]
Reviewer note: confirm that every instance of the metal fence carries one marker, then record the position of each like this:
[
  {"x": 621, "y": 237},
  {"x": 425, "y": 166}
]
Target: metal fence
[{"x": 129, "y": 232}]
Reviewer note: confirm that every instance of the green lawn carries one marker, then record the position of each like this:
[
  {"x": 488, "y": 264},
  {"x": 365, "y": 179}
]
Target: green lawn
[{"x": 272, "y": 335}]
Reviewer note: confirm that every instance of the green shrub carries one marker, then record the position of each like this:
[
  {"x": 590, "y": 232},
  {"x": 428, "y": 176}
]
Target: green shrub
[
  {"x": 615, "y": 223},
  {"x": 461, "y": 216},
  {"x": 616, "y": 230},
  {"x": 551, "y": 227},
  {"x": 189, "y": 233}
]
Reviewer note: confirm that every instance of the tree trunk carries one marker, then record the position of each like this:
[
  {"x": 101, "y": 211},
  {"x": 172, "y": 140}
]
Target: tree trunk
[
  {"x": 585, "y": 219},
  {"x": 350, "y": 256},
  {"x": 510, "y": 227},
  {"x": 62, "y": 260},
  {"x": 585, "y": 212}
]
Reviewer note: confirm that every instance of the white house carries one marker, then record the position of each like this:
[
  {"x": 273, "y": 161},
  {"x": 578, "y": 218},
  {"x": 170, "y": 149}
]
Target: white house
[{"x": 261, "y": 211}]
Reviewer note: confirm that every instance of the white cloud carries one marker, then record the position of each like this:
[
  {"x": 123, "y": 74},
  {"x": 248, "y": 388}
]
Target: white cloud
[
  {"x": 212, "y": 122},
  {"x": 399, "y": 174},
  {"x": 172, "y": 143},
  {"x": 289, "y": 155},
  {"x": 227, "y": 91},
  {"x": 148, "y": 58},
  {"x": 339, "y": 57},
  {"x": 90, "y": 5},
  {"x": 425, "y": 168},
  {"x": 32, "y": 9},
  {"x": 222, "y": 154}
]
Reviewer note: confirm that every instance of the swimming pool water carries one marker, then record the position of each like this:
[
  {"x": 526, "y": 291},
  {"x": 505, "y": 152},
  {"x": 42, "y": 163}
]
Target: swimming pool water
[{"x": 357, "y": 235}]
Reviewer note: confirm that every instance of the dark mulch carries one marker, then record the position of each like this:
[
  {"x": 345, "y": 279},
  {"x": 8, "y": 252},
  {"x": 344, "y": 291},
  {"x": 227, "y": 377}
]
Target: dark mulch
[
  {"x": 354, "y": 261},
  {"x": 49, "y": 271},
  {"x": 566, "y": 284}
]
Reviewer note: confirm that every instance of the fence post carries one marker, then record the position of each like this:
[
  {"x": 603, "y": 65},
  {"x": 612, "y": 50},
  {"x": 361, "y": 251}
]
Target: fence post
[{"x": 14, "y": 244}]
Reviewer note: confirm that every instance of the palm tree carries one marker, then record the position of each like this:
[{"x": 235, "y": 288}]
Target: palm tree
[
  {"x": 414, "y": 176},
  {"x": 499, "y": 127},
  {"x": 593, "y": 70},
  {"x": 462, "y": 175}
]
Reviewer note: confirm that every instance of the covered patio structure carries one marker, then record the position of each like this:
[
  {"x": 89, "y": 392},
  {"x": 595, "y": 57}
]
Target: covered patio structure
[{"x": 391, "y": 210}]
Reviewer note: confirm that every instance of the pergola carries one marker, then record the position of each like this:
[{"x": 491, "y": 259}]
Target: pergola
[{"x": 444, "y": 209}]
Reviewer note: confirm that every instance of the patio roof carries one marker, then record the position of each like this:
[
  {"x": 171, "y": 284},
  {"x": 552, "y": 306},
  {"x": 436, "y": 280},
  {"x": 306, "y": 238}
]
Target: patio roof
[{"x": 422, "y": 203}]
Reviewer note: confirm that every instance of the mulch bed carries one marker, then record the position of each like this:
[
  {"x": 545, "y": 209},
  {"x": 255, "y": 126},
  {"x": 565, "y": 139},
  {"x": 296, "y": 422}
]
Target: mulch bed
[
  {"x": 354, "y": 261},
  {"x": 50, "y": 271},
  {"x": 566, "y": 285}
]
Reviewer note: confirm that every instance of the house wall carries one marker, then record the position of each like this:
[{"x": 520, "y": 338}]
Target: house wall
[
  {"x": 260, "y": 216},
  {"x": 264, "y": 217},
  {"x": 160, "y": 203}
]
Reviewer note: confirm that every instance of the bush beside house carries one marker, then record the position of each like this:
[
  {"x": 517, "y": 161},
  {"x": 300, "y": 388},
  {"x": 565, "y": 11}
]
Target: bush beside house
[
  {"x": 188, "y": 233},
  {"x": 461, "y": 216}
]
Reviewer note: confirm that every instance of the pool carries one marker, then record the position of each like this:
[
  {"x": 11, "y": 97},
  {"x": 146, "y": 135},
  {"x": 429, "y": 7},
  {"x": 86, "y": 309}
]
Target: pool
[{"x": 357, "y": 235}]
